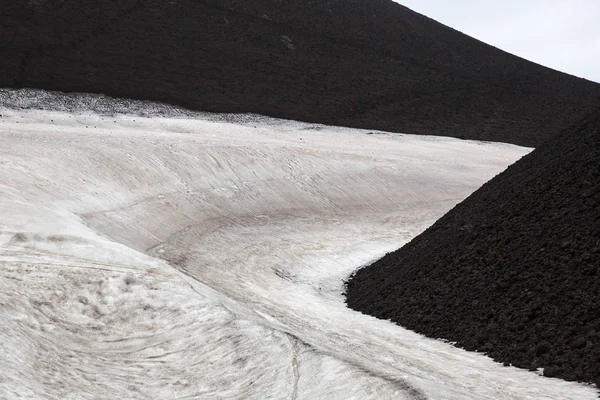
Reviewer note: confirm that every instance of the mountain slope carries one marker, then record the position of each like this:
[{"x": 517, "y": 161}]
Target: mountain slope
[
  {"x": 512, "y": 271},
  {"x": 367, "y": 63}
]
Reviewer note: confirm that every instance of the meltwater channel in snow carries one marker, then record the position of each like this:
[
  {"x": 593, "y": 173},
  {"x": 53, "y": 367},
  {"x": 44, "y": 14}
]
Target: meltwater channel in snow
[{"x": 154, "y": 253}]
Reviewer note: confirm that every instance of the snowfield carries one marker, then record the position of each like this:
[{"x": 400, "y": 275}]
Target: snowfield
[{"x": 195, "y": 256}]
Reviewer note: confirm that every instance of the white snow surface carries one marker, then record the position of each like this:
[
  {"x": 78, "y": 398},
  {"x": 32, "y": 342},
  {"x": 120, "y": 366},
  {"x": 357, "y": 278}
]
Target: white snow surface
[{"x": 187, "y": 257}]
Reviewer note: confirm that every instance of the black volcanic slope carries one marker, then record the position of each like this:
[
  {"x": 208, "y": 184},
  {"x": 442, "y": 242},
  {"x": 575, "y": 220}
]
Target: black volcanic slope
[
  {"x": 514, "y": 270},
  {"x": 361, "y": 63}
]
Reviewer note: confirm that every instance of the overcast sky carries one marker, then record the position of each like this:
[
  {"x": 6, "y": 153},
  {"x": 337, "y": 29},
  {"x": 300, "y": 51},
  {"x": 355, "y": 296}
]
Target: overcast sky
[{"x": 560, "y": 34}]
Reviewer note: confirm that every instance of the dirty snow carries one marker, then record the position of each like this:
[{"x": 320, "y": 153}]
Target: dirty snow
[{"x": 181, "y": 255}]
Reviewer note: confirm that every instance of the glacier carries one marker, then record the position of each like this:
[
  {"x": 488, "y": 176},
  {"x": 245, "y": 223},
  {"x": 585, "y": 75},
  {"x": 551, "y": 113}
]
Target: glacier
[{"x": 147, "y": 252}]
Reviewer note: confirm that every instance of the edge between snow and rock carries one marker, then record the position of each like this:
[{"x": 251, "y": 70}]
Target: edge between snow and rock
[{"x": 514, "y": 271}]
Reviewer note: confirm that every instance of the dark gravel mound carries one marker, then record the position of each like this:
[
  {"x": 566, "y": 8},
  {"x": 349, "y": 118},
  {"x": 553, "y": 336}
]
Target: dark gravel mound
[
  {"x": 514, "y": 270},
  {"x": 361, "y": 63}
]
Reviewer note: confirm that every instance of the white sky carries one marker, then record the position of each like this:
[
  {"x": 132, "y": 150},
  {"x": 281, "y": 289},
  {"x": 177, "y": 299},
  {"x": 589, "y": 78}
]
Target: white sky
[{"x": 560, "y": 34}]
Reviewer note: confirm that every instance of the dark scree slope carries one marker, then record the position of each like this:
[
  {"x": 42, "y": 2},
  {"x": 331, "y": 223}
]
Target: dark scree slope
[
  {"x": 361, "y": 63},
  {"x": 514, "y": 270}
]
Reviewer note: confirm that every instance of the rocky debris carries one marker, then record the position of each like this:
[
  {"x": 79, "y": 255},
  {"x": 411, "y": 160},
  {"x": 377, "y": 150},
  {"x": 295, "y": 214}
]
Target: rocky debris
[{"x": 513, "y": 271}]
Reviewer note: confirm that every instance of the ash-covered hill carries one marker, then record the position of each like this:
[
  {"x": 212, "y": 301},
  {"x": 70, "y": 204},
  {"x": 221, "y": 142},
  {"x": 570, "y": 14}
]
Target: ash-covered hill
[
  {"x": 360, "y": 63},
  {"x": 514, "y": 270}
]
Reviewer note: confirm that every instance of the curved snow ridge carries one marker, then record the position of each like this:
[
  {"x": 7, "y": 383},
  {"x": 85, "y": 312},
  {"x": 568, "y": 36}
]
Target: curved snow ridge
[{"x": 262, "y": 223}]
